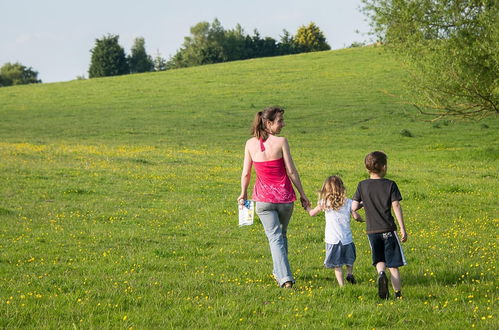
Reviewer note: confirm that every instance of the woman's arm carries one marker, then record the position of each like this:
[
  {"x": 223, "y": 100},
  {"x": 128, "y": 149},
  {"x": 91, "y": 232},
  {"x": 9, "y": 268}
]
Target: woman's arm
[
  {"x": 245, "y": 175},
  {"x": 293, "y": 173}
]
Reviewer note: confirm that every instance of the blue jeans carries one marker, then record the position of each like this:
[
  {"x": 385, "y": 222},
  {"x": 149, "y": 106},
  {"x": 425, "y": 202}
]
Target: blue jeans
[{"x": 275, "y": 219}]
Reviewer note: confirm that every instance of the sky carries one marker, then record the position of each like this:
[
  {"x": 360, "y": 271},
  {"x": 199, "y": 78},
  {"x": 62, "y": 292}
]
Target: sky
[{"x": 55, "y": 37}]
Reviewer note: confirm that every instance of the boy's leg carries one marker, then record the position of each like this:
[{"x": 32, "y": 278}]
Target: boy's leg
[
  {"x": 394, "y": 259},
  {"x": 380, "y": 267},
  {"x": 339, "y": 275},
  {"x": 382, "y": 282},
  {"x": 377, "y": 243},
  {"x": 395, "y": 278}
]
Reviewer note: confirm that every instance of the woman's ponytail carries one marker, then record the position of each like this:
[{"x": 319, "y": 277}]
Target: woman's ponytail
[{"x": 258, "y": 129}]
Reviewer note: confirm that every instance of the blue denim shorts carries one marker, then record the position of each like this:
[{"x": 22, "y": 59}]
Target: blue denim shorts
[{"x": 338, "y": 255}]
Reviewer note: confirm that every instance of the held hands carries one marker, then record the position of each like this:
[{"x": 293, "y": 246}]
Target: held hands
[
  {"x": 359, "y": 219},
  {"x": 305, "y": 203}
]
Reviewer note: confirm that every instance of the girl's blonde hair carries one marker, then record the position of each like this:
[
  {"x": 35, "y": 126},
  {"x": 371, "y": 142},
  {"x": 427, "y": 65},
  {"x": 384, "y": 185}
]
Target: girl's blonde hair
[{"x": 333, "y": 193}]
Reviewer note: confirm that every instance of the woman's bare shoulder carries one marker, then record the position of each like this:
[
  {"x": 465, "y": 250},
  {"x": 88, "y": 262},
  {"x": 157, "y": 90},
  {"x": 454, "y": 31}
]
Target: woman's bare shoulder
[
  {"x": 251, "y": 140},
  {"x": 251, "y": 143},
  {"x": 280, "y": 139}
]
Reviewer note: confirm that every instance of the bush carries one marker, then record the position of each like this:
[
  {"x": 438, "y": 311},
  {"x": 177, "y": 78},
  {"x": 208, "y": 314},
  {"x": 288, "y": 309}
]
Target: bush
[{"x": 406, "y": 133}]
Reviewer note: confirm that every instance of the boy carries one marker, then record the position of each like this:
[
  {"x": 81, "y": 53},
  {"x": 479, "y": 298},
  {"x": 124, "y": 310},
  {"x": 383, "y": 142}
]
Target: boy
[{"x": 378, "y": 195}]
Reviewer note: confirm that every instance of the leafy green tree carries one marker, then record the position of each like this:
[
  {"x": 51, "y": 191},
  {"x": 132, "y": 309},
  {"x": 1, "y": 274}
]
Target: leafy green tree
[
  {"x": 287, "y": 44},
  {"x": 17, "y": 74},
  {"x": 160, "y": 64},
  {"x": 310, "y": 39},
  {"x": 263, "y": 47},
  {"x": 211, "y": 43},
  {"x": 138, "y": 60},
  {"x": 234, "y": 44},
  {"x": 450, "y": 50},
  {"x": 108, "y": 58},
  {"x": 203, "y": 46}
]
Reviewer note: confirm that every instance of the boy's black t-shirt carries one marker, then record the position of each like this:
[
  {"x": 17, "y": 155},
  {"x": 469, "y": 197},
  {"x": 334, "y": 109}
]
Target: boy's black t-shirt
[{"x": 377, "y": 196}]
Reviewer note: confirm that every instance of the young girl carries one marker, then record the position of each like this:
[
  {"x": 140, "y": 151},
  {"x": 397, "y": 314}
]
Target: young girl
[{"x": 340, "y": 249}]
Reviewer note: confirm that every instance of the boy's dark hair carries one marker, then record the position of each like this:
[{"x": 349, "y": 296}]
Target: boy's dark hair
[{"x": 375, "y": 161}]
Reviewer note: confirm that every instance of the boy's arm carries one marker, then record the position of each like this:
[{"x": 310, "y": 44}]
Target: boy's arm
[
  {"x": 397, "y": 209},
  {"x": 313, "y": 211},
  {"x": 357, "y": 216},
  {"x": 356, "y": 206}
]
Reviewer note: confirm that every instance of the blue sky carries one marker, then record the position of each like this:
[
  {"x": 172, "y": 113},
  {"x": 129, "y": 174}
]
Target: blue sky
[{"x": 55, "y": 36}]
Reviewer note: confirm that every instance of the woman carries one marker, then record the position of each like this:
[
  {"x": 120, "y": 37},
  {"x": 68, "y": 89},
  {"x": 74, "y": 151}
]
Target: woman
[{"x": 273, "y": 192}]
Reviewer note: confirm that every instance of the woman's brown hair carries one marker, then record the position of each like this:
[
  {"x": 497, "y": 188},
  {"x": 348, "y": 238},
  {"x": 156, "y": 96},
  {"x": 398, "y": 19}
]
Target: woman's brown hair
[{"x": 259, "y": 129}]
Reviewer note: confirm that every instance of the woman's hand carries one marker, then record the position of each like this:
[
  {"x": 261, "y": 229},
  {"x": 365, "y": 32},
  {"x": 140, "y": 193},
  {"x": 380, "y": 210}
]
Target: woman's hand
[
  {"x": 242, "y": 198},
  {"x": 304, "y": 201}
]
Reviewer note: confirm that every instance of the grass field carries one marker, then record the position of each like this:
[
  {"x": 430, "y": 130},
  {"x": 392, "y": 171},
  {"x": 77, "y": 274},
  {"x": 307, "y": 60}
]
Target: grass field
[{"x": 117, "y": 200}]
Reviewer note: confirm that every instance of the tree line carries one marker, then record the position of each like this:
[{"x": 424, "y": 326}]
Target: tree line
[
  {"x": 17, "y": 74},
  {"x": 448, "y": 47},
  {"x": 208, "y": 43}
]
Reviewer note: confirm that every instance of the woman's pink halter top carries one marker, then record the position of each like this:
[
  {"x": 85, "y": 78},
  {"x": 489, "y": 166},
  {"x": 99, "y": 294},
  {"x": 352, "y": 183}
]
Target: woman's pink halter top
[{"x": 272, "y": 182}]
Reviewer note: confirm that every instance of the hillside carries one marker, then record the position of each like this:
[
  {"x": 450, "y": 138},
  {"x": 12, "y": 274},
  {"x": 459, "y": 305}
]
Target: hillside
[
  {"x": 216, "y": 97},
  {"x": 117, "y": 200}
]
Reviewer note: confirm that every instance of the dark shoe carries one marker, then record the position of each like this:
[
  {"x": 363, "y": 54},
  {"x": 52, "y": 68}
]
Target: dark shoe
[
  {"x": 351, "y": 279},
  {"x": 398, "y": 294},
  {"x": 382, "y": 285}
]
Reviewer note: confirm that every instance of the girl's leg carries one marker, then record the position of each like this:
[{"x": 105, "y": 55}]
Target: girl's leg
[
  {"x": 339, "y": 275},
  {"x": 395, "y": 277},
  {"x": 350, "y": 277}
]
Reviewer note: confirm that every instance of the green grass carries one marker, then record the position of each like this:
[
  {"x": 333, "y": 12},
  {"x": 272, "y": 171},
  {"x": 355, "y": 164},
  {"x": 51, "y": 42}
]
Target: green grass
[{"x": 117, "y": 200}]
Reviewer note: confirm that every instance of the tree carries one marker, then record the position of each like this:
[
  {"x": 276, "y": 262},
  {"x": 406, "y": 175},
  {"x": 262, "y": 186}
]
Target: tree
[
  {"x": 263, "y": 47},
  {"x": 234, "y": 44},
  {"x": 139, "y": 61},
  {"x": 287, "y": 44},
  {"x": 203, "y": 46},
  {"x": 450, "y": 51},
  {"x": 17, "y": 74},
  {"x": 211, "y": 43},
  {"x": 310, "y": 39},
  {"x": 160, "y": 63},
  {"x": 108, "y": 58}
]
